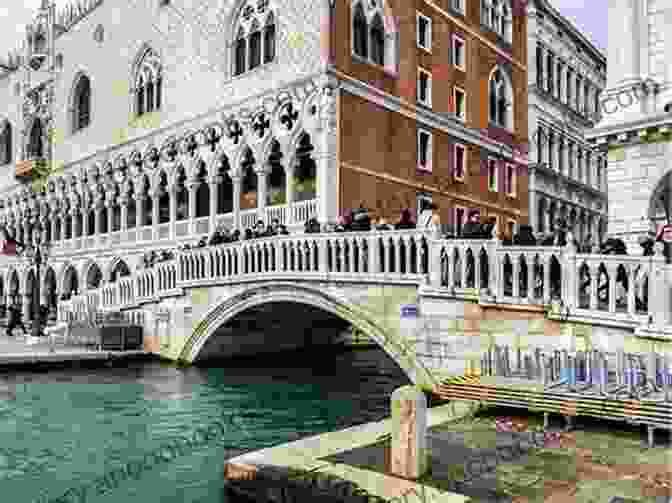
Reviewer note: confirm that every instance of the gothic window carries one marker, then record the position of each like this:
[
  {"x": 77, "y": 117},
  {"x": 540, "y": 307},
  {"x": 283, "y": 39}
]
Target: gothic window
[
  {"x": 148, "y": 83},
  {"x": 254, "y": 44},
  {"x": 496, "y": 15},
  {"x": 82, "y": 104},
  {"x": 35, "y": 150},
  {"x": 5, "y": 143},
  {"x": 360, "y": 32},
  {"x": 269, "y": 40},
  {"x": 240, "y": 53},
  {"x": 500, "y": 100},
  {"x": 377, "y": 41}
]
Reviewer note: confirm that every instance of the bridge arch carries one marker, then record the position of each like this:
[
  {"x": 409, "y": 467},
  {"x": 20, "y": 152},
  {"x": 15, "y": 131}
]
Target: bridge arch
[{"x": 222, "y": 312}]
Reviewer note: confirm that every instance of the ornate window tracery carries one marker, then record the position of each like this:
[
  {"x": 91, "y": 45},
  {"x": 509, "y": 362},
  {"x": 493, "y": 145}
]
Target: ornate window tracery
[
  {"x": 371, "y": 40},
  {"x": 148, "y": 80},
  {"x": 500, "y": 100},
  {"x": 496, "y": 15},
  {"x": 254, "y": 44}
]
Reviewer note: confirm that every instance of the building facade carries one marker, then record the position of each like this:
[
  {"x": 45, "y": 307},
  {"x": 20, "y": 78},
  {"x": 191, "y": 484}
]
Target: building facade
[
  {"x": 566, "y": 77},
  {"x": 157, "y": 122},
  {"x": 636, "y": 132}
]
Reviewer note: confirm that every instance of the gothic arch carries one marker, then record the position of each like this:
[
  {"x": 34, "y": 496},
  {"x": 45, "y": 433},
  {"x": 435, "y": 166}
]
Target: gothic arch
[
  {"x": 221, "y": 312},
  {"x": 73, "y": 106},
  {"x": 505, "y": 86}
]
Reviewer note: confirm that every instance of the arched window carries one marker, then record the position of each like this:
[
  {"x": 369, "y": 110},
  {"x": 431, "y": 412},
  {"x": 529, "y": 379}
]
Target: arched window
[
  {"x": 5, "y": 143},
  {"x": 496, "y": 15},
  {"x": 254, "y": 44},
  {"x": 377, "y": 41},
  {"x": 35, "y": 150},
  {"x": 500, "y": 101},
  {"x": 360, "y": 32},
  {"x": 240, "y": 53},
  {"x": 148, "y": 82},
  {"x": 269, "y": 39},
  {"x": 82, "y": 104}
]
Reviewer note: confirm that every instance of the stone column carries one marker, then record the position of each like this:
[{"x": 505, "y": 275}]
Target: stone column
[
  {"x": 123, "y": 202},
  {"x": 155, "y": 195},
  {"x": 409, "y": 456},
  {"x": 85, "y": 220},
  {"x": 25, "y": 307},
  {"x": 54, "y": 229},
  {"x": 262, "y": 178},
  {"x": 289, "y": 194},
  {"x": 236, "y": 181},
  {"x": 326, "y": 156},
  {"x": 139, "y": 211},
  {"x": 64, "y": 214},
  {"x": 192, "y": 187},
  {"x": 172, "y": 190},
  {"x": 623, "y": 22},
  {"x": 74, "y": 211},
  {"x": 213, "y": 184}
]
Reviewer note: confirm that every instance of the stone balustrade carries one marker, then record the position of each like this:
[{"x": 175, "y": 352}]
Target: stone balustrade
[{"x": 592, "y": 286}]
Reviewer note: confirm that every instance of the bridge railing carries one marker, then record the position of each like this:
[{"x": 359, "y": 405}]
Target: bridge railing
[{"x": 615, "y": 287}]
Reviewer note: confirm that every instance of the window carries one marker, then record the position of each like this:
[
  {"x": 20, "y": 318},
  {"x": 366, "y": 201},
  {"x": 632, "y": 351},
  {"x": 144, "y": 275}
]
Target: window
[
  {"x": 420, "y": 199},
  {"x": 5, "y": 143},
  {"x": 500, "y": 94},
  {"x": 459, "y": 220},
  {"x": 424, "y": 150},
  {"x": 424, "y": 29},
  {"x": 460, "y": 105},
  {"x": 457, "y": 5},
  {"x": 569, "y": 86},
  {"x": 35, "y": 150},
  {"x": 460, "y": 160},
  {"x": 496, "y": 15},
  {"x": 577, "y": 105},
  {"x": 458, "y": 53},
  {"x": 377, "y": 41},
  {"x": 558, "y": 80},
  {"x": 586, "y": 99},
  {"x": 254, "y": 42},
  {"x": 549, "y": 73},
  {"x": 255, "y": 46},
  {"x": 148, "y": 82},
  {"x": 424, "y": 87},
  {"x": 596, "y": 102},
  {"x": 540, "y": 67},
  {"x": 360, "y": 31},
  {"x": 510, "y": 180},
  {"x": 82, "y": 104},
  {"x": 492, "y": 175}
]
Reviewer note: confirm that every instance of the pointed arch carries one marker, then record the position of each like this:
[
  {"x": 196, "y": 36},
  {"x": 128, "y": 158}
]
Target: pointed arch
[
  {"x": 500, "y": 93},
  {"x": 147, "y": 80}
]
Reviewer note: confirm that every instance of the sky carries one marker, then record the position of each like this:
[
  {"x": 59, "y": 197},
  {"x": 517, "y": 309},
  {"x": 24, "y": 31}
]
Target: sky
[{"x": 587, "y": 15}]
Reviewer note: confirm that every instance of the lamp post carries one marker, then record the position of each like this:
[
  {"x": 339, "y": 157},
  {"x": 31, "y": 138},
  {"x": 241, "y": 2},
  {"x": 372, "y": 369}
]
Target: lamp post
[{"x": 37, "y": 252}]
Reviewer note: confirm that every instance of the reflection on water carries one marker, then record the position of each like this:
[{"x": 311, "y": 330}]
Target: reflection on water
[{"x": 68, "y": 427}]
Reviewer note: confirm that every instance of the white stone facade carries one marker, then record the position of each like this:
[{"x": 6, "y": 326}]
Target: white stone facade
[
  {"x": 127, "y": 182},
  {"x": 566, "y": 75},
  {"x": 637, "y": 135}
]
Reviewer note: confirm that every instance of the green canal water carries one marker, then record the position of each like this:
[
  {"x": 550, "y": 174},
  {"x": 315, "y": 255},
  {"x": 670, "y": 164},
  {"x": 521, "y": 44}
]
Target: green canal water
[{"x": 66, "y": 428}]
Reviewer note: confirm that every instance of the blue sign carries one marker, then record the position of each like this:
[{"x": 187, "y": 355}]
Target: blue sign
[{"x": 409, "y": 311}]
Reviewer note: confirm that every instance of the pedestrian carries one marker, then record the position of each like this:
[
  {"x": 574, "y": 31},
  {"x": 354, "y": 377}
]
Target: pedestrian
[
  {"x": 429, "y": 218},
  {"x": 405, "y": 220},
  {"x": 15, "y": 321}
]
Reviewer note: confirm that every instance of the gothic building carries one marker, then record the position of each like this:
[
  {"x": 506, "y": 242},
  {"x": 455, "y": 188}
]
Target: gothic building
[
  {"x": 158, "y": 121},
  {"x": 636, "y": 134},
  {"x": 566, "y": 76}
]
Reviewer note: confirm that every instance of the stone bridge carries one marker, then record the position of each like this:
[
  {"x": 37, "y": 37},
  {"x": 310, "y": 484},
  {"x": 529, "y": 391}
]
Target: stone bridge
[{"x": 194, "y": 305}]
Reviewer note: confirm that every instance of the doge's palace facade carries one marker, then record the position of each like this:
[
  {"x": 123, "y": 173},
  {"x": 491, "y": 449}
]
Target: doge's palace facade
[{"x": 158, "y": 121}]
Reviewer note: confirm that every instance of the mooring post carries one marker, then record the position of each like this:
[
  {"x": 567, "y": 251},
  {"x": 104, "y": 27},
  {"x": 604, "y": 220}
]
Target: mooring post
[{"x": 409, "y": 457}]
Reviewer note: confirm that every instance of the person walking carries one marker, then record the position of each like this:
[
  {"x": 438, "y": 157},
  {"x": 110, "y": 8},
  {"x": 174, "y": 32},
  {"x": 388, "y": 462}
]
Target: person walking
[
  {"x": 429, "y": 218},
  {"x": 15, "y": 321}
]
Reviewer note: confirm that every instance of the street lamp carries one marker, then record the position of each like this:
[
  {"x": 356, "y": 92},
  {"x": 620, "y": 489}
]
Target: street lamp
[{"x": 37, "y": 253}]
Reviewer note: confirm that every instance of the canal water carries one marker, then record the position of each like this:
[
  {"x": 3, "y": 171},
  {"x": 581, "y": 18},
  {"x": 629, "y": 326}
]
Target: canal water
[{"x": 67, "y": 427}]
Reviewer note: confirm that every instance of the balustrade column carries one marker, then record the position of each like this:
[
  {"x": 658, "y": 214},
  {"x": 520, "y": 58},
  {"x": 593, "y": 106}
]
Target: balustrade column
[
  {"x": 611, "y": 270},
  {"x": 659, "y": 288},
  {"x": 632, "y": 288},
  {"x": 236, "y": 181},
  {"x": 529, "y": 261},
  {"x": 515, "y": 279},
  {"x": 594, "y": 284},
  {"x": 547, "y": 282},
  {"x": 262, "y": 179},
  {"x": 192, "y": 187},
  {"x": 374, "y": 253}
]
